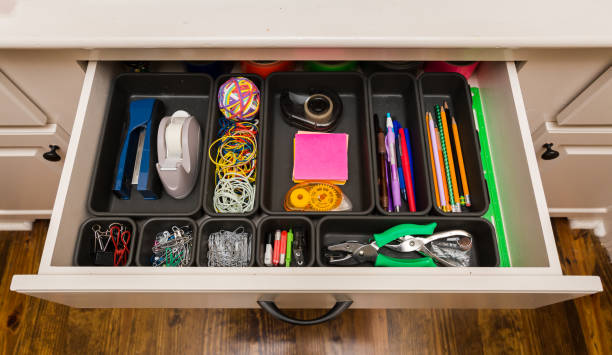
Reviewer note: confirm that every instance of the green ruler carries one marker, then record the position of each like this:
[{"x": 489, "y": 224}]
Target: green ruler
[{"x": 494, "y": 212}]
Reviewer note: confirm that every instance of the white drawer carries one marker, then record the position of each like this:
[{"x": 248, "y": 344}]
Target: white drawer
[{"x": 534, "y": 280}]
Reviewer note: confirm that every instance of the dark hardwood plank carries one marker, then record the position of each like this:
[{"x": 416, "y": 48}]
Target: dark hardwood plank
[{"x": 30, "y": 325}]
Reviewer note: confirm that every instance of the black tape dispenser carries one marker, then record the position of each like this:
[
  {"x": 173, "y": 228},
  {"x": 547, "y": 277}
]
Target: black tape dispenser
[{"x": 319, "y": 110}]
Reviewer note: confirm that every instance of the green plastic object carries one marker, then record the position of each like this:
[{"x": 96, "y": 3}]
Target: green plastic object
[
  {"x": 401, "y": 230},
  {"x": 494, "y": 213},
  {"x": 383, "y": 260},
  {"x": 288, "y": 252},
  {"x": 330, "y": 66}
]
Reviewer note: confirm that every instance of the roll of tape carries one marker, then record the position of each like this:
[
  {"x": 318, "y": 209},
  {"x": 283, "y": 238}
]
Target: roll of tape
[
  {"x": 322, "y": 116},
  {"x": 174, "y": 132},
  {"x": 330, "y": 66},
  {"x": 265, "y": 68}
]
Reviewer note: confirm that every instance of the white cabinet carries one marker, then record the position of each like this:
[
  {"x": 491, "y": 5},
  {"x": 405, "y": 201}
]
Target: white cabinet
[
  {"x": 17, "y": 108},
  {"x": 534, "y": 280},
  {"x": 593, "y": 106}
]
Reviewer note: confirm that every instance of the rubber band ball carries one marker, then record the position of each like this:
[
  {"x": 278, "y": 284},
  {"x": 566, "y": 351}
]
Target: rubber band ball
[{"x": 239, "y": 99}]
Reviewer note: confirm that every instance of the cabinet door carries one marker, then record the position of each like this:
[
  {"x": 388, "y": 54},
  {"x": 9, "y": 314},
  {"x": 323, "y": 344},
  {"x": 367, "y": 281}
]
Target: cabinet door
[
  {"x": 593, "y": 106},
  {"x": 581, "y": 176},
  {"x": 17, "y": 108}
]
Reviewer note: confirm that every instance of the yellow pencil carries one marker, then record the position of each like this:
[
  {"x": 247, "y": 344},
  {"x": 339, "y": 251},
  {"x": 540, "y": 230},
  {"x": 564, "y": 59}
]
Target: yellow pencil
[
  {"x": 451, "y": 163},
  {"x": 464, "y": 183},
  {"x": 445, "y": 208},
  {"x": 433, "y": 168}
]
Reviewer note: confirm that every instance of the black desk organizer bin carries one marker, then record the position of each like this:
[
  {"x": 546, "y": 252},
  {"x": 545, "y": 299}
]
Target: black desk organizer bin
[
  {"x": 84, "y": 252},
  {"x": 453, "y": 88},
  {"x": 212, "y": 135},
  {"x": 333, "y": 230},
  {"x": 155, "y": 225},
  {"x": 270, "y": 224},
  {"x": 213, "y": 225},
  {"x": 398, "y": 94},
  {"x": 277, "y": 148},
  {"x": 189, "y": 92}
]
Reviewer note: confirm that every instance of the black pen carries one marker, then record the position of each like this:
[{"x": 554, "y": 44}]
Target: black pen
[{"x": 382, "y": 173}]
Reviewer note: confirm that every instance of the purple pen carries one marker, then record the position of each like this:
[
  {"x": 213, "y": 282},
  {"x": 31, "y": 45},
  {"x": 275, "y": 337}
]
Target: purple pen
[
  {"x": 391, "y": 157},
  {"x": 390, "y": 204}
]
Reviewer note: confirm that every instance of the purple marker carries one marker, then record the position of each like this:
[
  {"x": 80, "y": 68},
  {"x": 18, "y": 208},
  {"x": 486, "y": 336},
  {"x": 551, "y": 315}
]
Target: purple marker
[
  {"x": 391, "y": 157},
  {"x": 390, "y": 204}
]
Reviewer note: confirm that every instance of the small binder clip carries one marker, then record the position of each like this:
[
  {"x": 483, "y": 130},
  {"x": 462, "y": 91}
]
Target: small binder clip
[
  {"x": 178, "y": 153},
  {"x": 143, "y": 120}
]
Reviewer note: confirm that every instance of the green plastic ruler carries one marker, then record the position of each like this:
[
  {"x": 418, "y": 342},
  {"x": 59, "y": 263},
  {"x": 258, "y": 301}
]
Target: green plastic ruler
[{"x": 494, "y": 212}]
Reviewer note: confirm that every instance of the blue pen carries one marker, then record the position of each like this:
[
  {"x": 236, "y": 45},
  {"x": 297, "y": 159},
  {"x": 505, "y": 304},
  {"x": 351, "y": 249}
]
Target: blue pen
[{"x": 396, "y": 128}]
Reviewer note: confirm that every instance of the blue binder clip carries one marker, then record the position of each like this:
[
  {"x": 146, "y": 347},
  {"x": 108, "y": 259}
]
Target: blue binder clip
[{"x": 144, "y": 115}]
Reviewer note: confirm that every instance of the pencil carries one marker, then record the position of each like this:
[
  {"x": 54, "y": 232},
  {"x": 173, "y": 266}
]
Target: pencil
[
  {"x": 445, "y": 152},
  {"x": 433, "y": 167},
  {"x": 466, "y": 191},
  {"x": 461, "y": 201},
  {"x": 451, "y": 164},
  {"x": 445, "y": 207}
]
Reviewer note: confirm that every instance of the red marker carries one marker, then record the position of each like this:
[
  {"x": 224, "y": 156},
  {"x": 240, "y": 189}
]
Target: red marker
[
  {"x": 277, "y": 248},
  {"x": 407, "y": 173},
  {"x": 283, "y": 247}
]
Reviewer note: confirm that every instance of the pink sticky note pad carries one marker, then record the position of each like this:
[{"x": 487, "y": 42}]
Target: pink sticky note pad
[{"x": 320, "y": 156}]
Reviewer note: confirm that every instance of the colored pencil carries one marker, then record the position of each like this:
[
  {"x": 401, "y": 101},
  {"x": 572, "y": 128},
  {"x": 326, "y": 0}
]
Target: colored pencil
[
  {"x": 451, "y": 164},
  {"x": 461, "y": 201},
  {"x": 445, "y": 156},
  {"x": 466, "y": 191},
  {"x": 434, "y": 171},
  {"x": 446, "y": 206}
]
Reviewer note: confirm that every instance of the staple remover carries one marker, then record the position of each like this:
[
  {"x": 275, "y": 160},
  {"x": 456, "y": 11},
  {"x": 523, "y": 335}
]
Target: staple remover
[{"x": 358, "y": 253}]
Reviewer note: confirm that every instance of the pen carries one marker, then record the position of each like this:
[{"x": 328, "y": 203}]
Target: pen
[
  {"x": 407, "y": 136},
  {"x": 283, "y": 248},
  {"x": 382, "y": 164},
  {"x": 391, "y": 157},
  {"x": 398, "y": 149},
  {"x": 407, "y": 172},
  {"x": 268, "y": 254},
  {"x": 289, "y": 242},
  {"x": 276, "y": 254},
  {"x": 390, "y": 204}
]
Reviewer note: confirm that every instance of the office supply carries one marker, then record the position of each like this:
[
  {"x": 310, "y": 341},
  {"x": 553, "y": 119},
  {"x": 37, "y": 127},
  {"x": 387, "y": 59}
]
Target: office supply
[
  {"x": 229, "y": 248},
  {"x": 316, "y": 197},
  {"x": 388, "y": 175},
  {"x": 461, "y": 200},
  {"x": 136, "y": 164},
  {"x": 407, "y": 172},
  {"x": 121, "y": 239},
  {"x": 289, "y": 245},
  {"x": 433, "y": 159},
  {"x": 320, "y": 157},
  {"x": 400, "y": 171},
  {"x": 450, "y": 248},
  {"x": 382, "y": 167},
  {"x": 466, "y": 190},
  {"x": 173, "y": 247},
  {"x": 117, "y": 233},
  {"x": 456, "y": 206},
  {"x": 277, "y": 247},
  {"x": 239, "y": 99},
  {"x": 283, "y": 248},
  {"x": 264, "y": 68},
  {"x": 268, "y": 252},
  {"x": 298, "y": 246},
  {"x": 446, "y": 155},
  {"x": 235, "y": 163},
  {"x": 318, "y": 110},
  {"x": 178, "y": 153},
  {"x": 443, "y": 170},
  {"x": 392, "y": 158},
  {"x": 409, "y": 146},
  {"x": 330, "y": 66}
]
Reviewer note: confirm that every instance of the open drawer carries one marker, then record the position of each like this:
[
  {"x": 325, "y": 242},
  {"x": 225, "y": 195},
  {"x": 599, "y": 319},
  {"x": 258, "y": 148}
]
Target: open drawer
[{"x": 535, "y": 278}]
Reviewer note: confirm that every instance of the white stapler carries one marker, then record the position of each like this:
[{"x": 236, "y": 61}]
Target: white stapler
[{"x": 178, "y": 153}]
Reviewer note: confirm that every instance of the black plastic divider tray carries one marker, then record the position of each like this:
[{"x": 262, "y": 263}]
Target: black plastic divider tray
[
  {"x": 397, "y": 94},
  {"x": 270, "y": 224},
  {"x": 213, "y": 131},
  {"x": 277, "y": 148},
  {"x": 334, "y": 230},
  {"x": 213, "y": 225},
  {"x": 152, "y": 227},
  {"x": 84, "y": 252},
  {"x": 188, "y": 92},
  {"x": 453, "y": 88}
]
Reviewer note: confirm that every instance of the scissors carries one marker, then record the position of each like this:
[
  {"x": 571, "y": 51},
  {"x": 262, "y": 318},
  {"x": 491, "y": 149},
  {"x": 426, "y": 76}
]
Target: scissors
[{"x": 121, "y": 239}]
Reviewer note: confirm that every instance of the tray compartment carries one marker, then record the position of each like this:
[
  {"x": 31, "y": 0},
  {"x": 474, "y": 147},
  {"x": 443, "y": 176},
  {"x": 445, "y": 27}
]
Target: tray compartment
[
  {"x": 212, "y": 225},
  {"x": 151, "y": 227},
  {"x": 277, "y": 147},
  {"x": 188, "y": 92},
  {"x": 83, "y": 252},
  {"x": 270, "y": 224}
]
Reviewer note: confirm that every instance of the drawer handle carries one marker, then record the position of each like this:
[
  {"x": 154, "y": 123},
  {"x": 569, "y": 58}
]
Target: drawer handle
[
  {"x": 550, "y": 153},
  {"x": 335, "y": 311},
  {"x": 52, "y": 154}
]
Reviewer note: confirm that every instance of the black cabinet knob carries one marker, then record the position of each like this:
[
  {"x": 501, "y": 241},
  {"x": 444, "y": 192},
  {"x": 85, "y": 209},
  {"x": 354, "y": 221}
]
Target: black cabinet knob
[
  {"x": 52, "y": 154},
  {"x": 550, "y": 153}
]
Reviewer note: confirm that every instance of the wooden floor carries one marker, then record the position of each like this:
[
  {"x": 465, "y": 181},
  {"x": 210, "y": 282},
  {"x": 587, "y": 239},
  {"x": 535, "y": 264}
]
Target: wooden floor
[{"x": 30, "y": 325}]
